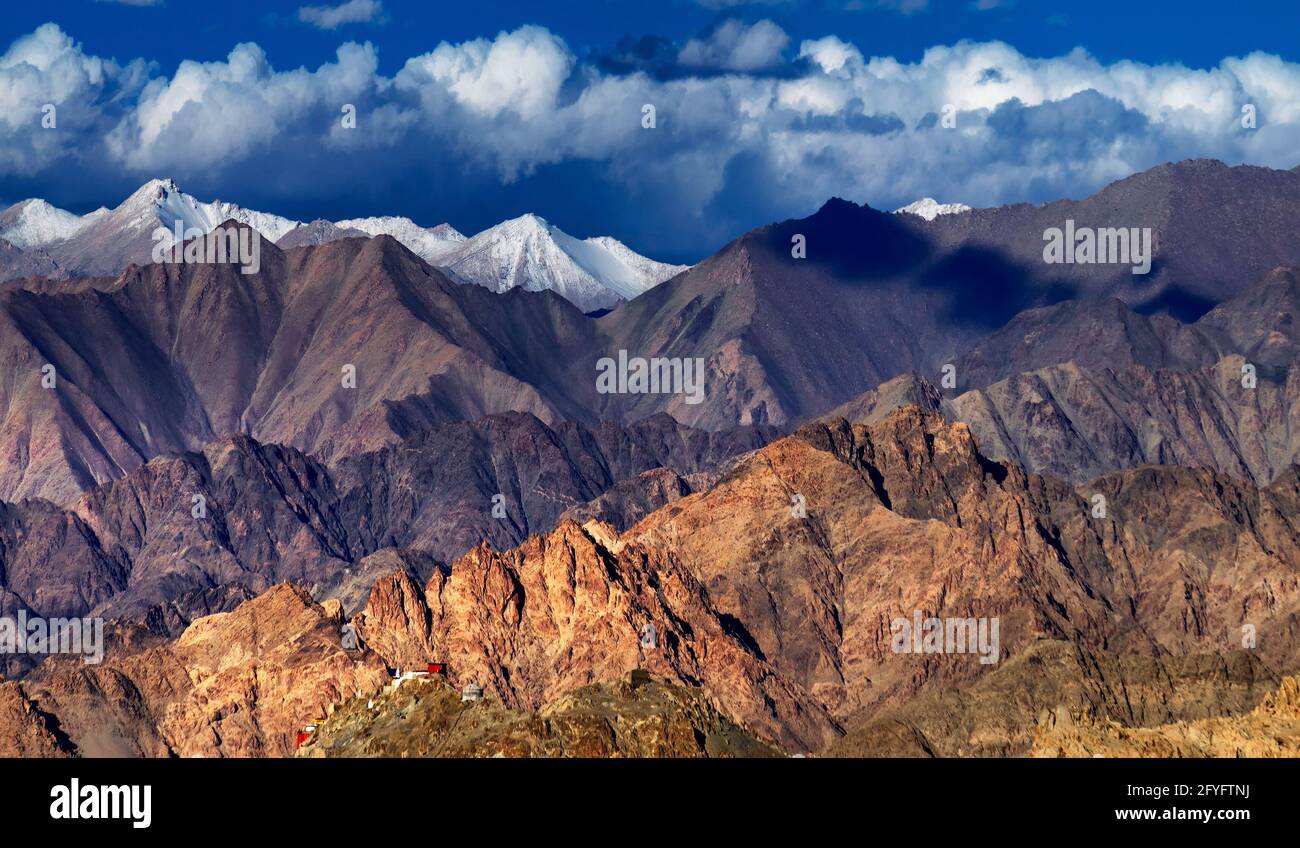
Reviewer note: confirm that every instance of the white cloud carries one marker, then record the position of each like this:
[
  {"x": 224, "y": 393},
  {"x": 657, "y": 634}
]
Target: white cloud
[
  {"x": 47, "y": 68},
  {"x": 771, "y": 137},
  {"x": 830, "y": 53},
  {"x": 351, "y": 12},
  {"x": 212, "y": 113},
  {"x": 520, "y": 71},
  {"x": 734, "y": 46}
]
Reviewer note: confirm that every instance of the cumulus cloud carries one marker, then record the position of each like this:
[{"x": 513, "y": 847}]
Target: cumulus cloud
[
  {"x": 351, "y": 12},
  {"x": 520, "y": 71},
  {"x": 747, "y": 130},
  {"x": 47, "y": 73}
]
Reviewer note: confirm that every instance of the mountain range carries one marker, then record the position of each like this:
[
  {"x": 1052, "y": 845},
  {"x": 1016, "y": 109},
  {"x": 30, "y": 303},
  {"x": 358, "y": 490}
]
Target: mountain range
[
  {"x": 37, "y": 239},
  {"x": 781, "y": 620},
  {"x": 898, "y": 413}
]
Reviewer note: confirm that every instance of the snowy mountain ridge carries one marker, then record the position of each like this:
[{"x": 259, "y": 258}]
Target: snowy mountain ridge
[
  {"x": 929, "y": 208},
  {"x": 530, "y": 253},
  {"x": 526, "y": 252}
]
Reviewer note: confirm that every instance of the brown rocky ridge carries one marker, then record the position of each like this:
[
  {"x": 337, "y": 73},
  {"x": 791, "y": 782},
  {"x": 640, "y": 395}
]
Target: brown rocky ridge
[
  {"x": 194, "y": 533},
  {"x": 427, "y": 718},
  {"x": 1272, "y": 729},
  {"x": 782, "y": 622},
  {"x": 235, "y": 684}
]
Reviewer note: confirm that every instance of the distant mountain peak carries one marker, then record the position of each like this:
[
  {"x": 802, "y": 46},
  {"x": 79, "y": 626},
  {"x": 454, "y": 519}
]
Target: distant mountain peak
[
  {"x": 929, "y": 208},
  {"x": 35, "y": 223},
  {"x": 529, "y": 252},
  {"x": 839, "y": 204}
]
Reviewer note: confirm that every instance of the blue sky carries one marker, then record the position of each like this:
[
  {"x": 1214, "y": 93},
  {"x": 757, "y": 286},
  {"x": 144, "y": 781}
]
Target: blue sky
[{"x": 475, "y": 112}]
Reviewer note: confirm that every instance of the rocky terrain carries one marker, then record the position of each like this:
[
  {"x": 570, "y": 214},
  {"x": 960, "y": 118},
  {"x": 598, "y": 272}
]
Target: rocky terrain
[
  {"x": 1270, "y": 730},
  {"x": 879, "y": 294},
  {"x": 781, "y": 622},
  {"x": 231, "y": 467},
  {"x": 565, "y": 610},
  {"x": 1000, "y": 714},
  {"x": 193, "y": 533},
  {"x": 908, "y": 515},
  {"x": 236, "y": 684},
  {"x": 341, "y": 345},
  {"x": 426, "y": 718}
]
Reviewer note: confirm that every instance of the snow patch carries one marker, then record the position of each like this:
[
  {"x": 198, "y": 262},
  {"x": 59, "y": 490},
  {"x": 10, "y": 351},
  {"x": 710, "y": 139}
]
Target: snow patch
[{"x": 929, "y": 208}]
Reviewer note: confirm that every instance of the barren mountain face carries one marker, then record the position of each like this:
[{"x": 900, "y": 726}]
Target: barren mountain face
[
  {"x": 787, "y": 624},
  {"x": 236, "y": 684},
  {"x": 193, "y": 533}
]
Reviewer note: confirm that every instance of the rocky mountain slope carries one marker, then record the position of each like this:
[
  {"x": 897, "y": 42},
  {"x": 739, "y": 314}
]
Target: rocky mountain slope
[
  {"x": 194, "y": 533},
  {"x": 1216, "y": 229},
  {"x": 236, "y": 684},
  {"x": 169, "y": 357},
  {"x": 899, "y": 517},
  {"x": 426, "y": 718},
  {"x": 1002, "y": 713},
  {"x": 780, "y": 611},
  {"x": 786, "y": 338},
  {"x": 566, "y": 610},
  {"x": 1085, "y": 387},
  {"x": 1272, "y": 729},
  {"x": 908, "y": 515}
]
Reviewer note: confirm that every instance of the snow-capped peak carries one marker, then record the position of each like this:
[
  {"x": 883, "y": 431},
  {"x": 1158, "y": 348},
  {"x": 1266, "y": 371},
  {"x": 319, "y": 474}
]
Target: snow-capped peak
[
  {"x": 35, "y": 223},
  {"x": 929, "y": 208},
  {"x": 530, "y": 253},
  {"x": 432, "y": 244},
  {"x": 161, "y": 202},
  {"x": 525, "y": 252}
]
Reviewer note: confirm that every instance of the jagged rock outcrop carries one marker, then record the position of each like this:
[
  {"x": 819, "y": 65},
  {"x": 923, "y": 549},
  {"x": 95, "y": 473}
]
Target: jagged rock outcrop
[
  {"x": 567, "y": 609},
  {"x": 197, "y": 532},
  {"x": 1076, "y": 423},
  {"x": 908, "y": 515},
  {"x": 237, "y": 684},
  {"x": 782, "y": 611},
  {"x": 25, "y": 731},
  {"x": 1084, "y": 387}
]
